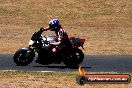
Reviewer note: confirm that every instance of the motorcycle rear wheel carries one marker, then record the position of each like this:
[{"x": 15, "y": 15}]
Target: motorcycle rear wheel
[{"x": 73, "y": 59}]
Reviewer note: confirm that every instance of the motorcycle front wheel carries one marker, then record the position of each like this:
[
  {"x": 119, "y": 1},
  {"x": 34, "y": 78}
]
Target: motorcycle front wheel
[{"x": 23, "y": 57}]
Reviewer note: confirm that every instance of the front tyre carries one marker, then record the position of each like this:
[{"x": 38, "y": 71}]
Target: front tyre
[
  {"x": 23, "y": 57},
  {"x": 74, "y": 58}
]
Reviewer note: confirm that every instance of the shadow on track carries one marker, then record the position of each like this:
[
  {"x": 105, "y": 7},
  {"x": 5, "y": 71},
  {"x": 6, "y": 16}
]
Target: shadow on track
[{"x": 61, "y": 67}]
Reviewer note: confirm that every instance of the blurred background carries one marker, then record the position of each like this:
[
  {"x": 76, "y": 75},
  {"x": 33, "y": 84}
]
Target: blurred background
[{"x": 105, "y": 24}]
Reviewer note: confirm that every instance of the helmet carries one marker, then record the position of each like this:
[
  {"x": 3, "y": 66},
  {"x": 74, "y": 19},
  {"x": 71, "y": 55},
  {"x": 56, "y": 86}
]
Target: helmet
[{"x": 54, "y": 24}]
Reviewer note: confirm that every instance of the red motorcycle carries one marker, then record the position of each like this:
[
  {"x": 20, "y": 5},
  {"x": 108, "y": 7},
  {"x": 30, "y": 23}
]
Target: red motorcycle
[{"x": 47, "y": 53}]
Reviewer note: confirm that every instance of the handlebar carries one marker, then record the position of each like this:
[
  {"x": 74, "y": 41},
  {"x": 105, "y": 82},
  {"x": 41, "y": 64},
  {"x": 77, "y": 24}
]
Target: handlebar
[{"x": 37, "y": 35}]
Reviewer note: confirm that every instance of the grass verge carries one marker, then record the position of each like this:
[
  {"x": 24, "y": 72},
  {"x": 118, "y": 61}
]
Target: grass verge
[{"x": 22, "y": 79}]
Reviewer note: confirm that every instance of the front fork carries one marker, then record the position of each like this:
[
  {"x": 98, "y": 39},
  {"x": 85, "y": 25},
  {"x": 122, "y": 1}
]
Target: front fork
[{"x": 29, "y": 50}]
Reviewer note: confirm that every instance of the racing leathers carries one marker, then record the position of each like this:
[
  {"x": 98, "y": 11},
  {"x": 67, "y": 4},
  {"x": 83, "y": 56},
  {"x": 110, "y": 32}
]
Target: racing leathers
[{"x": 62, "y": 37}]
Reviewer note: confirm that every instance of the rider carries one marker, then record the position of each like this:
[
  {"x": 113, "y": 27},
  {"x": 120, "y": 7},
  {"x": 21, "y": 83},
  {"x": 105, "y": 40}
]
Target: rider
[{"x": 62, "y": 37}]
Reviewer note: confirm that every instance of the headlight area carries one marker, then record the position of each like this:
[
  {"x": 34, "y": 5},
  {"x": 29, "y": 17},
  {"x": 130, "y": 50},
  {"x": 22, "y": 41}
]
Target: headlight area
[{"x": 31, "y": 42}]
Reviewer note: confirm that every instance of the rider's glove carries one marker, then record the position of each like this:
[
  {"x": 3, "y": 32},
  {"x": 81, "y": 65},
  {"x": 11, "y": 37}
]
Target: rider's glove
[{"x": 42, "y": 29}]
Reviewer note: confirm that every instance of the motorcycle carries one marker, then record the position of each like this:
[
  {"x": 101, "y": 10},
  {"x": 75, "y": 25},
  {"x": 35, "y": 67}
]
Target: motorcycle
[{"x": 48, "y": 53}]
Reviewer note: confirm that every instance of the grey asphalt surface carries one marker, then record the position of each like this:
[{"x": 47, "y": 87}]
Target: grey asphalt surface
[{"x": 97, "y": 63}]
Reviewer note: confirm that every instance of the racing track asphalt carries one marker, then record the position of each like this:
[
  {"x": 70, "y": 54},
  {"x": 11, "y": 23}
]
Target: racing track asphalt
[{"x": 95, "y": 63}]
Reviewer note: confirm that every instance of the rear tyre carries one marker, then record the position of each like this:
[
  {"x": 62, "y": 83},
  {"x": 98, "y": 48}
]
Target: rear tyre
[
  {"x": 23, "y": 58},
  {"x": 74, "y": 58}
]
